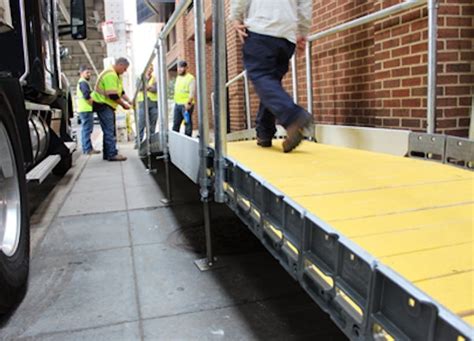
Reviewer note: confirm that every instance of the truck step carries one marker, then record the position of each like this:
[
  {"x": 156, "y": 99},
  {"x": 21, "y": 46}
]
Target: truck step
[
  {"x": 72, "y": 146},
  {"x": 43, "y": 169}
]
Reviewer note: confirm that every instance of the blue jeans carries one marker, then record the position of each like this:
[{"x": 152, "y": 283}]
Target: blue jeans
[
  {"x": 266, "y": 60},
  {"x": 152, "y": 114},
  {"x": 107, "y": 123},
  {"x": 178, "y": 117},
  {"x": 87, "y": 122}
]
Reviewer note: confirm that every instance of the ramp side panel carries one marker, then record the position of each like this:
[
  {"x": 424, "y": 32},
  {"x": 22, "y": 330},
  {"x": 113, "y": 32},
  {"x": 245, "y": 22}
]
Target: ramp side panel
[{"x": 184, "y": 154}]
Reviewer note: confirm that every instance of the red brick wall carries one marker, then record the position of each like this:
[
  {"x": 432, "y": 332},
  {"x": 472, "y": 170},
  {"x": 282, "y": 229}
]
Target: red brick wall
[{"x": 374, "y": 75}]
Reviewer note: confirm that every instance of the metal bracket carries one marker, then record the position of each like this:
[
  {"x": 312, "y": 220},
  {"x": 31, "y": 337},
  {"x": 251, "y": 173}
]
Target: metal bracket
[
  {"x": 460, "y": 152},
  {"x": 204, "y": 265},
  {"x": 427, "y": 146}
]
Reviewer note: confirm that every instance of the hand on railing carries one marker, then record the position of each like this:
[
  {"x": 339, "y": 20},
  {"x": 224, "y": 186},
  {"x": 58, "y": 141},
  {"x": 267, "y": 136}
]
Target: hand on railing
[
  {"x": 241, "y": 29},
  {"x": 301, "y": 42}
]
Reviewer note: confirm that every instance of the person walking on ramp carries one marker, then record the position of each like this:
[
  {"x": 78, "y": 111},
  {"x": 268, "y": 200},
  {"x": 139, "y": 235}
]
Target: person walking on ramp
[{"x": 270, "y": 30}]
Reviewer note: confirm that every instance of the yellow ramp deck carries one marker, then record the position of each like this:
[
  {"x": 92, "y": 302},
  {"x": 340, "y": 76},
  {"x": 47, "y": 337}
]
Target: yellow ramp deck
[{"x": 415, "y": 216}]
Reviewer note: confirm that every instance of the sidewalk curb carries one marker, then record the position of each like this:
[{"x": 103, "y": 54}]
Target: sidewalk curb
[{"x": 52, "y": 204}]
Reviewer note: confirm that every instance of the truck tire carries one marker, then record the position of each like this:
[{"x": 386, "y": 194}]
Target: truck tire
[{"x": 14, "y": 219}]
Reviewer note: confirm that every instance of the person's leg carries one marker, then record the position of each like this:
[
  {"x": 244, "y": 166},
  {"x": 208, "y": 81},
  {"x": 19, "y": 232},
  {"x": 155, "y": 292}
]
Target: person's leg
[
  {"x": 107, "y": 118},
  {"x": 178, "y": 116},
  {"x": 141, "y": 121},
  {"x": 263, "y": 63},
  {"x": 189, "y": 125},
  {"x": 265, "y": 125},
  {"x": 87, "y": 121},
  {"x": 153, "y": 116}
]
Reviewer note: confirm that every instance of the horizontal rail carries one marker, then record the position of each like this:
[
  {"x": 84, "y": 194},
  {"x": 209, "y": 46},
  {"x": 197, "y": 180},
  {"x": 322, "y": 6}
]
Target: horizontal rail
[
  {"x": 236, "y": 78},
  {"x": 368, "y": 18},
  {"x": 173, "y": 20}
]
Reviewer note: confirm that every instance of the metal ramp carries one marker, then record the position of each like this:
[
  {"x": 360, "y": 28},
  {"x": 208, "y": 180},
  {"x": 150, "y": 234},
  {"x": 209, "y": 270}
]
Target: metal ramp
[
  {"x": 358, "y": 229},
  {"x": 382, "y": 243}
]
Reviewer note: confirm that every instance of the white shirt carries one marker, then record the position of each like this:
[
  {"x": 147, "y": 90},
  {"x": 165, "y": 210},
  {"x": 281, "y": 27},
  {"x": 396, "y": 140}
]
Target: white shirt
[{"x": 276, "y": 18}]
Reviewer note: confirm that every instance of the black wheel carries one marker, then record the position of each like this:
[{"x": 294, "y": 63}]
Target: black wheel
[{"x": 14, "y": 221}]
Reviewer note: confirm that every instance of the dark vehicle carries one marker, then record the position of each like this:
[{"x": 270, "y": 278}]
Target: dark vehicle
[{"x": 35, "y": 111}]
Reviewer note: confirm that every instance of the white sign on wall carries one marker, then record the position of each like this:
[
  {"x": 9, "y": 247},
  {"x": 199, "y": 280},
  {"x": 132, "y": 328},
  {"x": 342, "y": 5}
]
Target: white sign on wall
[{"x": 108, "y": 31}]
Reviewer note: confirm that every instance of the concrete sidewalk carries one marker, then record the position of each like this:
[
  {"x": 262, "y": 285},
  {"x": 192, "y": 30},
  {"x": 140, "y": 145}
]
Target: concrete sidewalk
[{"x": 114, "y": 264}]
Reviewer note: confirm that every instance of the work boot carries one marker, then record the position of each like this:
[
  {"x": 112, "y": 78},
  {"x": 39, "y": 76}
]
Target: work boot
[
  {"x": 295, "y": 132},
  {"x": 264, "y": 143},
  {"x": 118, "y": 157}
]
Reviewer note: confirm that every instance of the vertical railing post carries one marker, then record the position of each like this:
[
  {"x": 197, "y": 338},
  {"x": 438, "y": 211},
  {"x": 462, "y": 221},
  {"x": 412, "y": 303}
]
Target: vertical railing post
[
  {"x": 204, "y": 152},
  {"x": 146, "y": 109},
  {"x": 247, "y": 100},
  {"x": 309, "y": 84},
  {"x": 163, "y": 114},
  {"x": 294, "y": 77},
  {"x": 309, "y": 77},
  {"x": 135, "y": 114},
  {"x": 220, "y": 98},
  {"x": 432, "y": 65}
]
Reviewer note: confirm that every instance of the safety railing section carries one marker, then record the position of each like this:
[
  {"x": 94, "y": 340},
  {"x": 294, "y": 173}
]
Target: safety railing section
[
  {"x": 384, "y": 13},
  {"x": 241, "y": 76},
  {"x": 366, "y": 299}
]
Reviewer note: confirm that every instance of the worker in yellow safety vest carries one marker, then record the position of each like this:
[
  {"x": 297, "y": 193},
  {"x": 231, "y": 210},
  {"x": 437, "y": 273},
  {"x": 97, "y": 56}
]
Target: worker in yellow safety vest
[
  {"x": 107, "y": 96},
  {"x": 184, "y": 92},
  {"x": 84, "y": 108},
  {"x": 152, "y": 99}
]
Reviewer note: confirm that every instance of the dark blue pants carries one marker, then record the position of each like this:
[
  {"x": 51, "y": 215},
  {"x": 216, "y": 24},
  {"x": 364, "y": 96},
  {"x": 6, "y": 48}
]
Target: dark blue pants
[
  {"x": 152, "y": 115},
  {"x": 266, "y": 60},
  {"x": 107, "y": 123},
  {"x": 178, "y": 117},
  {"x": 87, "y": 122}
]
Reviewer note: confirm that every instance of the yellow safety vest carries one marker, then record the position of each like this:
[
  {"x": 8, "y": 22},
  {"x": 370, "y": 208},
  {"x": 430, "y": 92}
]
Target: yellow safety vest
[
  {"x": 108, "y": 83},
  {"x": 152, "y": 96},
  {"x": 82, "y": 103},
  {"x": 182, "y": 88}
]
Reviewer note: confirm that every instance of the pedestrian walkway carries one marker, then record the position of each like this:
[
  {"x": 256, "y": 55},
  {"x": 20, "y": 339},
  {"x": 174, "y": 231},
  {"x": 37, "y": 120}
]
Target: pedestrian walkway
[{"x": 115, "y": 264}]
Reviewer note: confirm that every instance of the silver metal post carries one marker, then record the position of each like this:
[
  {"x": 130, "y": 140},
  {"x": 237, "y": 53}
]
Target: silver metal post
[
  {"x": 309, "y": 77},
  {"x": 163, "y": 115},
  {"x": 147, "y": 122},
  {"x": 163, "y": 93},
  {"x": 294, "y": 77},
  {"x": 204, "y": 172},
  {"x": 432, "y": 65},
  {"x": 220, "y": 98},
  {"x": 201, "y": 73},
  {"x": 137, "y": 127},
  {"x": 247, "y": 101}
]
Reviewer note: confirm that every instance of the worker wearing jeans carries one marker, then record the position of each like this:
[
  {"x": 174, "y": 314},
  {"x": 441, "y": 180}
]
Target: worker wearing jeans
[
  {"x": 108, "y": 95},
  {"x": 184, "y": 90},
  {"x": 270, "y": 30},
  {"x": 84, "y": 107}
]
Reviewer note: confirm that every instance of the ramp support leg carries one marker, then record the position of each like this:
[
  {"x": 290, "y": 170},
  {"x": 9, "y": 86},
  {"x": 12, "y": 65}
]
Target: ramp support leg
[{"x": 167, "y": 201}]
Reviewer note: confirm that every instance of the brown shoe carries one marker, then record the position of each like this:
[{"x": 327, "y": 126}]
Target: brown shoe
[
  {"x": 294, "y": 133},
  {"x": 118, "y": 157},
  {"x": 93, "y": 151}
]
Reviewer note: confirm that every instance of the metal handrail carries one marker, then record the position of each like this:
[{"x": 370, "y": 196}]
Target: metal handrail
[
  {"x": 384, "y": 13},
  {"x": 243, "y": 75},
  {"x": 395, "y": 9}
]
